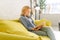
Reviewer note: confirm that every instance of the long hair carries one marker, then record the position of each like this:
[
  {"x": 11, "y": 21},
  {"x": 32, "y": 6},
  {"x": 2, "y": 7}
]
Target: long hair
[{"x": 24, "y": 9}]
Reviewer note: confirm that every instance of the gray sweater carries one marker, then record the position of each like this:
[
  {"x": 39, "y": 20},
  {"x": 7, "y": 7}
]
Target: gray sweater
[{"x": 27, "y": 22}]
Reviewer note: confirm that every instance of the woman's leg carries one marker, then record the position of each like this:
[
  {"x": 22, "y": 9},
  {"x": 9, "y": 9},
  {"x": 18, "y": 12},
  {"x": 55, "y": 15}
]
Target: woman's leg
[
  {"x": 49, "y": 32},
  {"x": 39, "y": 32}
]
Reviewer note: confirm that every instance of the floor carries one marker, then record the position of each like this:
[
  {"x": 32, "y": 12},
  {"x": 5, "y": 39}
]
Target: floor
[
  {"x": 57, "y": 35},
  {"x": 56, "y": 32}
]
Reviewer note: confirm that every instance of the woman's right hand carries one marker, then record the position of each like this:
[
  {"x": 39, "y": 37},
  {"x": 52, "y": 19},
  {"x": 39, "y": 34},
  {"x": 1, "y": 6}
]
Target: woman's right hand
[
  {"x": 34, "y": 29},
  {"x": 37, "y": 27}
]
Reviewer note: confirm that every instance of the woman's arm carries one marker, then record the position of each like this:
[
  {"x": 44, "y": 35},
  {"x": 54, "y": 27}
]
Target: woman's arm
[
  {"x": 26, "y": 23},
  {"x": 37, "y": 27}
]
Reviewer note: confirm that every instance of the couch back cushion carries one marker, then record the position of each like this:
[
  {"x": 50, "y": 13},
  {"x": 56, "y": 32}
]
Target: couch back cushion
[{"x": 12, "y": 27}]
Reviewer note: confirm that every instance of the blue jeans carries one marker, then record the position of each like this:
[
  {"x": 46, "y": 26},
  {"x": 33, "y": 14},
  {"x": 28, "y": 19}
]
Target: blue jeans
[{"x": 45, "y": 31}]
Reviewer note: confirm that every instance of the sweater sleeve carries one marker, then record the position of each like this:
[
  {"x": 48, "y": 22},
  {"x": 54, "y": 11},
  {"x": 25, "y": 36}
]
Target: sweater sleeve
[{"x": 25, "y": 23}]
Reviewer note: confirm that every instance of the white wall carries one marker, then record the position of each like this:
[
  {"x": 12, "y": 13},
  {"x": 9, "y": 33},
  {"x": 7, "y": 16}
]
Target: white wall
[
  {"x": 54, "y": 18},
  {"x": 10, "y": 9}
]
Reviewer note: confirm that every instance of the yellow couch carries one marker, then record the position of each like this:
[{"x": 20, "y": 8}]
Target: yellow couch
[{"x": 14, "y": 30}]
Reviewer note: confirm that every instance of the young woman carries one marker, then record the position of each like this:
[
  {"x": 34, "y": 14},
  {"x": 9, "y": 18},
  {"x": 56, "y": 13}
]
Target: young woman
[{"x": 27, "y": 21}]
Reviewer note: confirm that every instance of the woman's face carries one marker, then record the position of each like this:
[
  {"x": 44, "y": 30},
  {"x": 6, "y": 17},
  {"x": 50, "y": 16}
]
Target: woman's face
[{"x": 27, "y": 12}]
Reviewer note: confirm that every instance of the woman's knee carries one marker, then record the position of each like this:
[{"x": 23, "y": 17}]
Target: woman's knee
[{"x": 46, "y": 29}]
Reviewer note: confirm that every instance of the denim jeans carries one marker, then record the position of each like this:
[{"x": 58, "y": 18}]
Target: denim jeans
[{"x": 45, "y": 31}]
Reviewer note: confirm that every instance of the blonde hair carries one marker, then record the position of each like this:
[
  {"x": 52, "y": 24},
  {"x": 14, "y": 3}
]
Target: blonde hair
[{"x": 24, "y": 9}]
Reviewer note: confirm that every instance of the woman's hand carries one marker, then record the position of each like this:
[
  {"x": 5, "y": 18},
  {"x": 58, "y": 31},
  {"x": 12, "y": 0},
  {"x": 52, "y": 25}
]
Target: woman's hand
[{"x": 37, "y": 27}]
